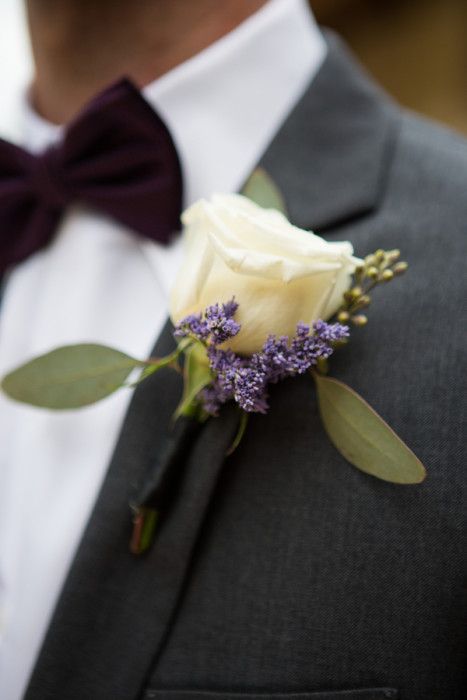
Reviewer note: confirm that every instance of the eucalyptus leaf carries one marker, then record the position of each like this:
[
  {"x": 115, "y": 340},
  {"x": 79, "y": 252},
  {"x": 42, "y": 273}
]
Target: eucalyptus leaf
[
  {"x": 198, "y": 375},
  {"x": 262, "y": 190},
  {"x": 70, "y": 377},
  {"x": 363, "y": 437}
]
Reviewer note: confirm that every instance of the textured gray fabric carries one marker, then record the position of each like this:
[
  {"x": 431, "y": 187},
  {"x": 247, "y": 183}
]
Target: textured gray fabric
[{"x": 290, "y": 572}]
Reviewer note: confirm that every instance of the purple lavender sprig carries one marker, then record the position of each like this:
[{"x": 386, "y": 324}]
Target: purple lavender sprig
[
  {"x": 245, "y": 380},
  {"x": 214, "y": 327}
]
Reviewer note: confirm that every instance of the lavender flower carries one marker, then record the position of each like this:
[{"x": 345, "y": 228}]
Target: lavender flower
[
  {"x": 193, "y": 325},
  {"x": 245, "y": 379},
  {"x": 275, "y": 358},
  {"x": 250, "y": 390},
  {"x": 330, "y": 332},
  {"x": 286, "y": 360},
  {"x": 216, "y": 325},
  {"x": 219, "y": 319},
  {"x": 213, "y": 397},
  {"x": 225, "y": 365},
  {"x": 230, "y": 308}
]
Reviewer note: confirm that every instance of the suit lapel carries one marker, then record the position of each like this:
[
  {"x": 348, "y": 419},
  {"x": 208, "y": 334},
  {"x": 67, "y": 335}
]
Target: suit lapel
[{"x": 330, "y": 159}]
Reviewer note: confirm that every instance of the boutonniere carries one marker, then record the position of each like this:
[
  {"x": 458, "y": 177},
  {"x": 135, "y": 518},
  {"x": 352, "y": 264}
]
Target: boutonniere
[{"x": 257, "y": 300}]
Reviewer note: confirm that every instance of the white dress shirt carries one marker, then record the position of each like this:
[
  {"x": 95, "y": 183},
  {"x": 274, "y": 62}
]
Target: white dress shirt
[{"x": 98, "y": 282}]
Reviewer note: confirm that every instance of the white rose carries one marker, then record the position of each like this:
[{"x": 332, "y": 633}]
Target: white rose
[{"x": 279, "y": 274}]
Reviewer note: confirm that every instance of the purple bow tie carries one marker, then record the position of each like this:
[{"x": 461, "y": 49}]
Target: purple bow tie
[{"x": 116, "y": 156}]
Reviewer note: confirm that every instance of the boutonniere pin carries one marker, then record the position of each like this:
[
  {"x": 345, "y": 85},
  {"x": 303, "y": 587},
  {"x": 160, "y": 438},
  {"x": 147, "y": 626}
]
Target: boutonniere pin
[{"x": 257, "y": 300}]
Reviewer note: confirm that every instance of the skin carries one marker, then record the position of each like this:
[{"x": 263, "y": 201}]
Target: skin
[{"x": 80, "y": 46}]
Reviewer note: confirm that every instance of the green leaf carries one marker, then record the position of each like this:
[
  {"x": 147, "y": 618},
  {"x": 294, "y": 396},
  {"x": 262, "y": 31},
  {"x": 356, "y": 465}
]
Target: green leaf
[
  {"x": 197, "y": 375},
  {"x": 362, "y": 437},
  {"x": 70, "y": 377},
  {"x": 262, "y": 190}
]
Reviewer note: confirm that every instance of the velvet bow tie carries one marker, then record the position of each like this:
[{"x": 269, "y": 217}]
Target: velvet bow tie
[{"x": 117, "y": 156}]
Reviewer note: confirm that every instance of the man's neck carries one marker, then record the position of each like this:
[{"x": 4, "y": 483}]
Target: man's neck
[{"x": 80, "y": 46}]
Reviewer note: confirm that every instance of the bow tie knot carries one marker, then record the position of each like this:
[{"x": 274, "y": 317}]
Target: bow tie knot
[{"x": 117, "y": 156}]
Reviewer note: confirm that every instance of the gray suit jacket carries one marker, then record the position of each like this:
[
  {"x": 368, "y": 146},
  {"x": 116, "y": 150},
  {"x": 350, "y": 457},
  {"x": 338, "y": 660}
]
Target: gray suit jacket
[{"x": 282, "y": 571}]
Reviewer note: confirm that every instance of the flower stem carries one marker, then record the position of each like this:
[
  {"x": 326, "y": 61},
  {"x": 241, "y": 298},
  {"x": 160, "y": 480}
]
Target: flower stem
[
  {"x": 154, "y": 364},
  {"x": 243, "y": 422}
]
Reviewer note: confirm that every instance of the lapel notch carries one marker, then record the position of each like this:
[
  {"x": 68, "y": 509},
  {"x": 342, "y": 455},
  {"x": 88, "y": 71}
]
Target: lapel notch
[{"x": 331, "y": 155}]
